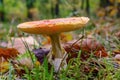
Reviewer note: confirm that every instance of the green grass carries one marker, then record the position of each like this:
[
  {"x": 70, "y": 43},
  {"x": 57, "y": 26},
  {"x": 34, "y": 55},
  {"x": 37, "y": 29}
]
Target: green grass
[{"x": 102, "y": 69}]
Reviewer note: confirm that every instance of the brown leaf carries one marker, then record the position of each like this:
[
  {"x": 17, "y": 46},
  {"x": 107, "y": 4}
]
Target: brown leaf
[
  {"x": 91, "y": 45},
  {"x": 8, "y": 53},
  {"x": 87, "y": 46},
  {"x": 115, "y": 52},
  {"x": 71, "y": 50}
]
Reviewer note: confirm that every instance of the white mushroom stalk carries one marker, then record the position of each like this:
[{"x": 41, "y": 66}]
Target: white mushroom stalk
[
  {"x": 57, "y": 53},
  {"x": 57, "y": 50}
]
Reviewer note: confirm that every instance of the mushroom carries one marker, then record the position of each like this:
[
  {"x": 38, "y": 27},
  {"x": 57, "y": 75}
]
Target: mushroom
[{"x": 53, "y": 28}]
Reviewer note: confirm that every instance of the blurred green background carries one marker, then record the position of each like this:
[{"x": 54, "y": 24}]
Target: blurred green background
[{"x": 22, "y": 10}]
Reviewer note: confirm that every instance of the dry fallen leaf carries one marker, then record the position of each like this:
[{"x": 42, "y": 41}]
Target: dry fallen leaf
[
  {"x": 8, "y": 53},
  {"x": 24, "y": 62},
  {"x": 91, "y": 45},
  {"x": 4, "y": 67},
  {"x": 41, "y": 53},
  {"x": 18, "y": 43},
  {"x": 115, "y": 52},
  {"x": 101, "y": 12},
  {"x": 87, "y": 46}
]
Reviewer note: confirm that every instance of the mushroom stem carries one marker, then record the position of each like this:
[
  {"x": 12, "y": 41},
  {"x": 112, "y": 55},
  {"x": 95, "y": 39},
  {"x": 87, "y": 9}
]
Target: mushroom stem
[{"x": 57, "y": 51}]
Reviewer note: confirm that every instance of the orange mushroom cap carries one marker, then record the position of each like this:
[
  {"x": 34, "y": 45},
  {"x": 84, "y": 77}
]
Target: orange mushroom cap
[{"x": 53, "y": 26}]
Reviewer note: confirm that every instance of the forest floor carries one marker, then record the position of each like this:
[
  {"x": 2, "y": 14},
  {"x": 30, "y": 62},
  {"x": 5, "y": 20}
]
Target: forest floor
[{"x": 18, "y": 61}]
